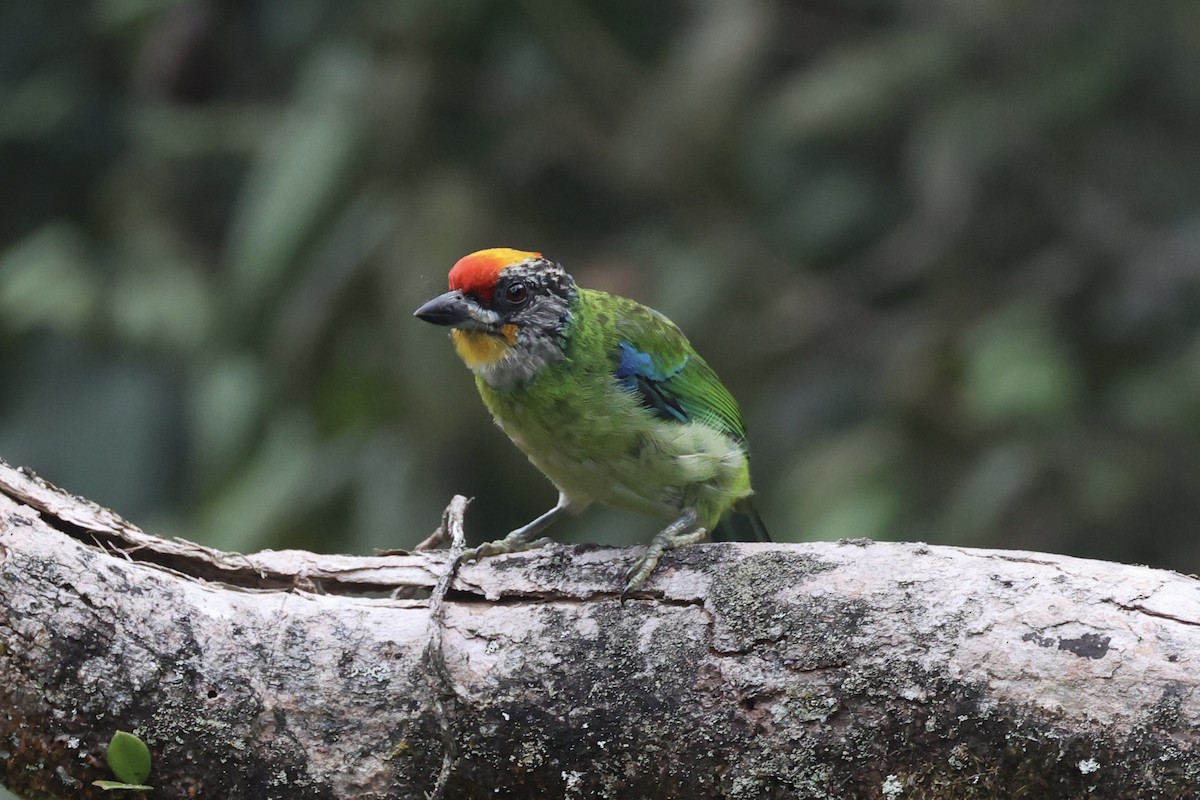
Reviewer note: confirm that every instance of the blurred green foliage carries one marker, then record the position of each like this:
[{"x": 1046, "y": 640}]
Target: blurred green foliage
[{"x": 947, "y": 255}]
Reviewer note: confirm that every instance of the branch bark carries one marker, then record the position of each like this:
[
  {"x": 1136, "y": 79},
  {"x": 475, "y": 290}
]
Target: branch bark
[{"x": 849, "y": 669}]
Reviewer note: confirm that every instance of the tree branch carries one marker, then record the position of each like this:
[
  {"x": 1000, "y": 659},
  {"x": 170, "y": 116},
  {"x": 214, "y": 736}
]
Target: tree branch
[{"x": 850, "y": 669}]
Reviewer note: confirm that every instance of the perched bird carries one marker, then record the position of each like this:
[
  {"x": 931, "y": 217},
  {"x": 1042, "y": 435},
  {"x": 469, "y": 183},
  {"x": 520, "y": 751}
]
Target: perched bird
[{"x": 604, "y": 395}]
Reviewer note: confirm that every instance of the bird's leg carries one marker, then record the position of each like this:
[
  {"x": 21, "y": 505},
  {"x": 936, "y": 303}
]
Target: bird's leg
[
  {"x": 523, "y": 538},
  {"x": 682, "y": 531}
]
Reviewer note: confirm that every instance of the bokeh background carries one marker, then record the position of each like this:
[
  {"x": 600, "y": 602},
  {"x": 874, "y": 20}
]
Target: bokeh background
[{"x": 946, "y": 254}]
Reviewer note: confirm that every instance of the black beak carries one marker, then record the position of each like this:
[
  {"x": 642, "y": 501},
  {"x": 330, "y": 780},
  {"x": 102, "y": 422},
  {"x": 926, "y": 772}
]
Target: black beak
[{"x": 450, "y": 308}]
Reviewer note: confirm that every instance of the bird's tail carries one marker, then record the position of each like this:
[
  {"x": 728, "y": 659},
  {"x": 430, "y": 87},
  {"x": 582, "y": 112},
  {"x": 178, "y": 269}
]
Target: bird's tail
[{"x": 741, "y": 524}]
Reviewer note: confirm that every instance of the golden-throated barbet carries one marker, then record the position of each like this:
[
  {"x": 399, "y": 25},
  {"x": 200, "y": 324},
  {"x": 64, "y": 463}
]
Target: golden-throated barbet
[{"x": 605, "y": 396}]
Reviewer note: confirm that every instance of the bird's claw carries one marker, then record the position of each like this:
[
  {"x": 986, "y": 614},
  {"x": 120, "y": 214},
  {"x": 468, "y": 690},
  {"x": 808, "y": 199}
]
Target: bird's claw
[
  {"x": 641, "y": 570},
  {"x": 503, "y": 546},
  {"x": 678, "y": 534}
]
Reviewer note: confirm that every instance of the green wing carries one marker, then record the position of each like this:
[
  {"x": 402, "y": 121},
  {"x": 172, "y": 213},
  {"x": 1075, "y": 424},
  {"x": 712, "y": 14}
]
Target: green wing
[{"x": 655, "y": 360}]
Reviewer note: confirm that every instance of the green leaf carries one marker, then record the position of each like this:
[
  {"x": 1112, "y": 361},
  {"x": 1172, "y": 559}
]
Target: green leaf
[
  {"x": 128, "y": 758},
  {"x": 110, "y": 786}
]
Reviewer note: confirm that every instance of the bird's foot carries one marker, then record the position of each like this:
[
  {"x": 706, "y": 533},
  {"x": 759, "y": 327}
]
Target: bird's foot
[
  {"x": 523, "y": 538},
  {"x": 679, "y": 533},
  {"x": 509, "y": 544}
]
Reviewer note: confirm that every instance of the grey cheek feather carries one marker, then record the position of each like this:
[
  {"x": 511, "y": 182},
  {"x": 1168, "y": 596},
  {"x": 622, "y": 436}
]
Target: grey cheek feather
[
  {"x": 539, "y": 344},
  {"x": 521, "y": 365}
]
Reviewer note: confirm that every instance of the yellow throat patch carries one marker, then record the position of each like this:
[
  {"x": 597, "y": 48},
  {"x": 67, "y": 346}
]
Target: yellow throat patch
[{"x": 478, "y": 349}]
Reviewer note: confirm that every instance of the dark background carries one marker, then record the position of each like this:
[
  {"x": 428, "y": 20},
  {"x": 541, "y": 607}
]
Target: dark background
[{"x": 946, "y": 254}]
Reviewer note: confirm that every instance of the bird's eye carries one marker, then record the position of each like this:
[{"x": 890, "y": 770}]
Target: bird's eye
[{"x": 517, "y": 293}]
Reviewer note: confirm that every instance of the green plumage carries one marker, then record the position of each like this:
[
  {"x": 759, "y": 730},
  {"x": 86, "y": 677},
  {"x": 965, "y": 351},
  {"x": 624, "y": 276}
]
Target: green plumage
[
  {"x": 606, "y": 397},
  {"x": 590, "y": 421}
]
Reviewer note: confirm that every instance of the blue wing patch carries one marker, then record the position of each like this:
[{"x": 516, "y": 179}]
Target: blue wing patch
[{"x": 638, "y": 373}]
